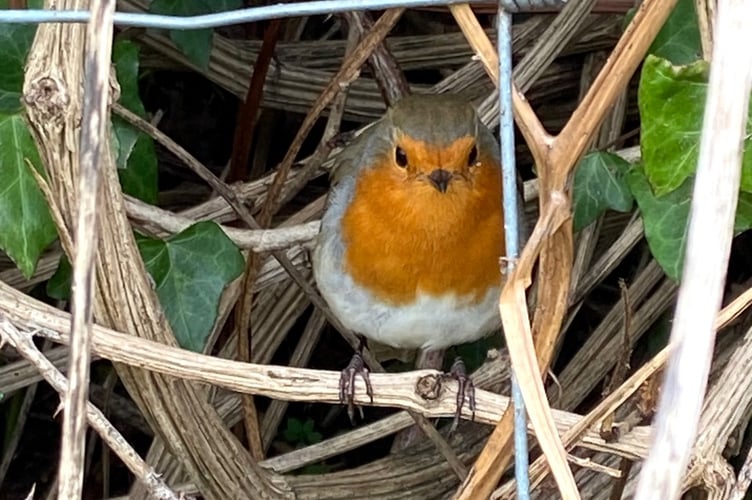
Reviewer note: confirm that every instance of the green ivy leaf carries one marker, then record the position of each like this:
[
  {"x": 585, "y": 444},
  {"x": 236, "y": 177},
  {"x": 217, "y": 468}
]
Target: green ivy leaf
[
  {"x": 136, "y": 156},
  {"x": 139, "y": 177},
  {"x": 679, "y": 39},
  {"x": 301, "y": 433},
  {"x": 15, "y": 39},
  {"x": 666, "y": 219},
  {"x": 26, "y": 227},
  {"x": 599, "y": 184},
  {"x": 672, "y": 100},
  {"x": 124, "y": 138},
  {"x": 195, "y": 44},
  {"x": 125, "y": 56},
  {"x": 294, "y": 431},
  {"x": 190, "y": 271},
  {"x": 58, "y": 286}
]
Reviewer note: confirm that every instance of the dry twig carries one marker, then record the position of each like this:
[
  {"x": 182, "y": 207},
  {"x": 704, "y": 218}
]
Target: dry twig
[
  {"x": 23, "y": 343},
  {"x": 538, "y": 469},
  {"x": 94, "y": 129}
]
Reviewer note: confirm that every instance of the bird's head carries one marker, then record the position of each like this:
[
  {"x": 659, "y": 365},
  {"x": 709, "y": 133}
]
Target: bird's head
[{"x": 437, "y": 143}]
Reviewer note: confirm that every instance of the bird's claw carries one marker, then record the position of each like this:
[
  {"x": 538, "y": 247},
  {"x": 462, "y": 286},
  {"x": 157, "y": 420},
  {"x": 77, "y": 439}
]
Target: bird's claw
[
  {"x": 347, "y": 385},
  {"x": 465, "y": 391}
]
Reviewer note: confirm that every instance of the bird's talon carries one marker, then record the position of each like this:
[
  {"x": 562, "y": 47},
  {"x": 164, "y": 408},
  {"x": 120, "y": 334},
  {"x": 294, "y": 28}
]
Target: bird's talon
[
  {"x": 347, "y": 385},
  {"x": 465, "y": 391}
]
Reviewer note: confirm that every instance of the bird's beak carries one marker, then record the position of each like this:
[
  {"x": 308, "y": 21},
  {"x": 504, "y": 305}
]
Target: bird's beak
[{"x": 440, "y": 179}]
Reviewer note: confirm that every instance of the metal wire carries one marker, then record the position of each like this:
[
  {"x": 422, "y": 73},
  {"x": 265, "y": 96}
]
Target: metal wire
[
  {"x": 511, "y": 226},
  {"x": 252, "y": 14}
]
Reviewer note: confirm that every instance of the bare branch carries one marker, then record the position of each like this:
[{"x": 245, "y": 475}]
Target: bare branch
[{"x": 23, "y": 343}]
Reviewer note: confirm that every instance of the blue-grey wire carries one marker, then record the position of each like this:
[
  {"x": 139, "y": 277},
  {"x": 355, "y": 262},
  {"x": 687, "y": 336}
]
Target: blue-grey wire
[
  {"x": 251, "y": 14},
  {"x": 511, "y": 227}
]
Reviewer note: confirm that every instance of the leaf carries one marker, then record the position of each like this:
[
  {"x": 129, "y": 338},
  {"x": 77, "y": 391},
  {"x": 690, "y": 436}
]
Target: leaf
[
  {"x": 301, "y": 433},
  {"x": 136, "y": 156},
  {"x": 679, "y": 39},
  {"x": 124, "y": 138},
  {"x": 190, "y": 271},
  {"x": 671, "y": 101},
  {"x": 15, "y": 40},
  {"x": 26, "y": 227},
  {"x": 294, "y": 432},
  {"x": 308, "y": 426},
  {"x": 58, "y": 286},
  {"x": 599, "y": 184},
  {"x": 125, "y": 58},
  {"x": 195, "y": 44},
  {"x": 140, "y": 175},
  {"x": 666, "y": 219}
]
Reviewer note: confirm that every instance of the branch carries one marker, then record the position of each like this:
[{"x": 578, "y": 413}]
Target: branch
[
  {"x": 258, "y": 240},
  {"x": 285, "y": 383},
  {"x": 24, "y": 344},
  {"x": 94, "y": 123}
]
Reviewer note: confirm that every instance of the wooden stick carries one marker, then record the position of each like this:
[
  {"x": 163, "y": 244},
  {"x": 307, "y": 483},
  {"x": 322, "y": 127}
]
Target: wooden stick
[{"x": 94, "y": 128}]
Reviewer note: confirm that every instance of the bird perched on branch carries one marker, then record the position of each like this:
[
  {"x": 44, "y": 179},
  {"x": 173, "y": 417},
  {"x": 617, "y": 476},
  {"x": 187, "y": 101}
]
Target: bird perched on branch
[{"x": 410, "y": 242}]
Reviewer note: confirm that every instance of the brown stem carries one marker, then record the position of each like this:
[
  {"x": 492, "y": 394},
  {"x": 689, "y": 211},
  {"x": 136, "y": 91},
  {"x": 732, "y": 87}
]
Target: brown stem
[{"x": 245, "y": 124}]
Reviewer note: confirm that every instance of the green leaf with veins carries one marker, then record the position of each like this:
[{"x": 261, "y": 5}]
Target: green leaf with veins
[
  {"x": 671, "y": 101},
  {"x": 190, "y": 271},
  {"x": 679, "y": 38},
  {"x": 58, "y": 286},
  {"x": 26, "y": 227},
  {"x": 15, "y": 39},
  {"x": 599, "y": 184},
  {"x": 136, "y": 156},
  {"x": 665, "y": 218}
]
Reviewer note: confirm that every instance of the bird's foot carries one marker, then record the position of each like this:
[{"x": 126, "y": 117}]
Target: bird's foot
[
  {"x": 347, "y": 384},
  {"x": 465, "y": 391}
]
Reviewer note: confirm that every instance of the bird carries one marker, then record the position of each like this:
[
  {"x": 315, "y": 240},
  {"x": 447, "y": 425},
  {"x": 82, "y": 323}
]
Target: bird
[{"x": 408, "y": 253}]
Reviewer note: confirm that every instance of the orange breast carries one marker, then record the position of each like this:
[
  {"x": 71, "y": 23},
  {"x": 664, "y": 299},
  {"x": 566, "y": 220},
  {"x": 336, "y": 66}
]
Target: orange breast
[{"x": 403, "y": 237}]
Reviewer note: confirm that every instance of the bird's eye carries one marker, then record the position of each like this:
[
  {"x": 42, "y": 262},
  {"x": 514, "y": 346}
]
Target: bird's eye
[
  {"x": 473, "y": 156},
  {"x": 400, "y": 157}
]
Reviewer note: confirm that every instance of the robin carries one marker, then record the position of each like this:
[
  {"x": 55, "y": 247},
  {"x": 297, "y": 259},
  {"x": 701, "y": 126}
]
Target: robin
[{"x": 410, "y": 241}]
